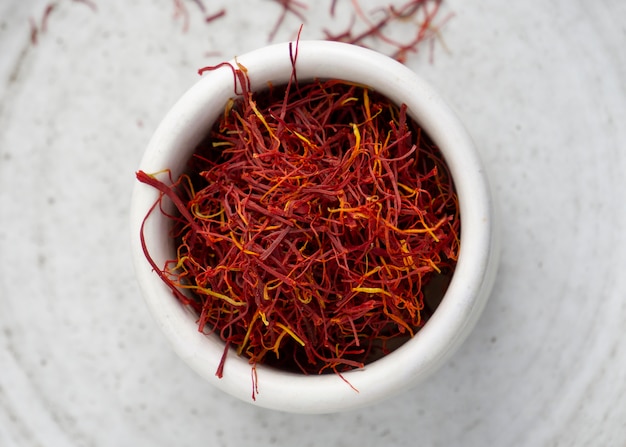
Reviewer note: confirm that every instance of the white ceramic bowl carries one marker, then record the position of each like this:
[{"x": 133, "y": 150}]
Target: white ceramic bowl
[{"x": 189, "y": 121}]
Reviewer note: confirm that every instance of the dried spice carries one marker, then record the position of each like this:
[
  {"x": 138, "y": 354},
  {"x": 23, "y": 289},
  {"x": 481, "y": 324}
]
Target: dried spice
[
  {"x": 420, "y": 14},
  {"x": 367, "y": 28},
  {"x": 316, "y": 226},
  {"x": 41, "y": 26}
]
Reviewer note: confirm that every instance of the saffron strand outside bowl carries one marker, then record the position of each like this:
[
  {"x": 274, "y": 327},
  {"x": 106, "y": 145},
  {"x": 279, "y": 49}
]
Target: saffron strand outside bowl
[{"x": 188, "y": 123}]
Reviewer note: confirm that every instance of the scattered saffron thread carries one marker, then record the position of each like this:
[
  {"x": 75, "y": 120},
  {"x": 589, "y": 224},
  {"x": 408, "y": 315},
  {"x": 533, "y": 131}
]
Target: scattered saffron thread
[
  {"x": 181, "y": 12},
  {"x": 367, "y": 28},
  {"x": 41, "y": 27},
  {"x": 420, "y": 14},
  {"x": 46, "y": 13},
  {"x": 287, "y": 6}
]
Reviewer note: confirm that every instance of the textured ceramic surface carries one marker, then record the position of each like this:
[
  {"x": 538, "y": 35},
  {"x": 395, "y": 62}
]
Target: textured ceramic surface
[{"x": 190, "y": 120}]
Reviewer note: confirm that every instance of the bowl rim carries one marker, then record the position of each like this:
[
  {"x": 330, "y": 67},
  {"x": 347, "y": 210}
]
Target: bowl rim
[{"x": 188, "y": 121}]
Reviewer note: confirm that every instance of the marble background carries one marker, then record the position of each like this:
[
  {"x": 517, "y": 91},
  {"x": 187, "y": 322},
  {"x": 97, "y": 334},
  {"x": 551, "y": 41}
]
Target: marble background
[{"x": 541, "y": 86}]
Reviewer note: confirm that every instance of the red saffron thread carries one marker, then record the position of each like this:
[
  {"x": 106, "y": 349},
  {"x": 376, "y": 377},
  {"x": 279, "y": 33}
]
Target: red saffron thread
[
  {"x": 288, "y": 6},
  {"x": 371, "y": 28},
  {"x": 333, "y": 5},
  {"x": 34, "y": 31},
  {"x": 180, "y": 11},
  {"x": 408, "y": 12},
  {"x": 44, "y": 18},
  {"x": 317, "y": 226},
  {"x": 215, "y": 16}
]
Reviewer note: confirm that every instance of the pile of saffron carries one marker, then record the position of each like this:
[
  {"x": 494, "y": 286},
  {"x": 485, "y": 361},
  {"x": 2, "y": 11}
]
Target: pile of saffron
[
  {"x": 420, "y": 20},
  {"x": 317, "y": 226},
  {"x": 372, "y": 27}
]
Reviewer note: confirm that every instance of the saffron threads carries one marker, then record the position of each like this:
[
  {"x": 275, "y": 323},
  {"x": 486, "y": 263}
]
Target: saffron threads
[
  {"x": 34, "y": 31},
  {"x": 316, "y": 226},
  {"x": 41, "y": 27},
  {"x": 44, "y": 18},
  {"x": 368, "y": 27},
  {"x": 216, "y": 15},
  {"x": 418, "y": 20},
  {"x": 420, "y": 14},
  {"x": 181, "y": 12},
  {"x": 287, "y": 6},
  {"x": 372, "y": 28}
]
